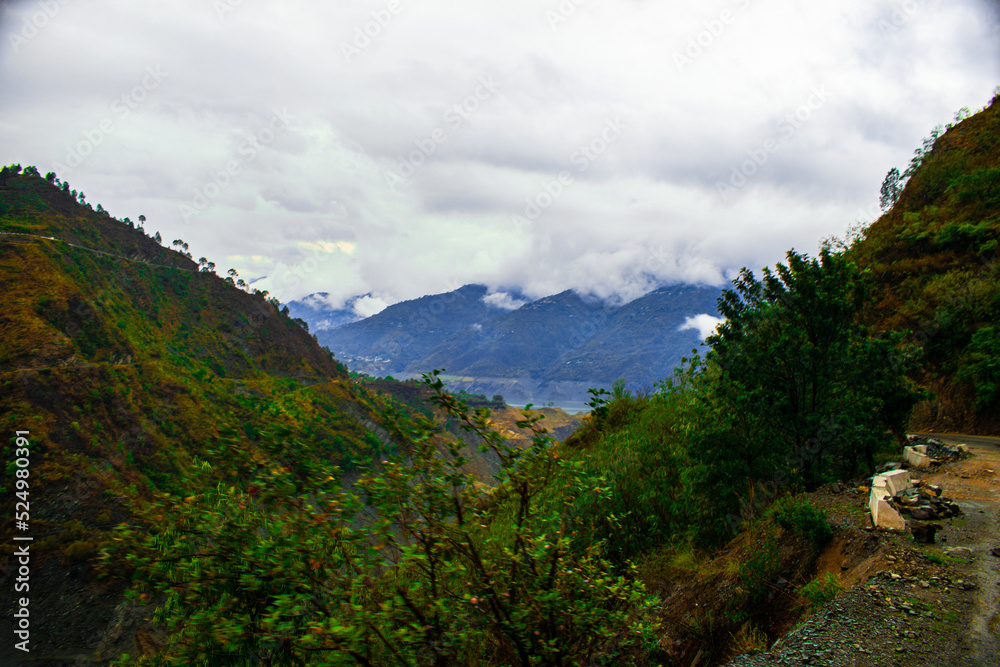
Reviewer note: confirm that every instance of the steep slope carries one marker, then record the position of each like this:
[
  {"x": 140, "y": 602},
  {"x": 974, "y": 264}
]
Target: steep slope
[
  {"x": 133, "y": 370},
  {"x": 934, "y": 255}
]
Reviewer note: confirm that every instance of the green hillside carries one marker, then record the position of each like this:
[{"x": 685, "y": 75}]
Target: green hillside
[
  {"x": 132, "y": 369},
  {"x": 934, "y": 256}
]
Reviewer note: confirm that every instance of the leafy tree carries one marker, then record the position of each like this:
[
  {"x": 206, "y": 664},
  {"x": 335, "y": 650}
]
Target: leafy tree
[
  {"x": 960, "y": 115},
  {"x": 804, "y": 391},
  {"x": 51, "y": 177},
  {"x": 158, "y": 238},
  {"x": 980, "y": 367},
  {"x": 920, "y": 153},
  {"x": 142, "y": 220},
  {"x": 891, "y": 187}
]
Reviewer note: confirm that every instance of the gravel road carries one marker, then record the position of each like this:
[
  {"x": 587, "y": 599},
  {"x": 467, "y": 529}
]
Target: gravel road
[{"x": 925, "y": 605}]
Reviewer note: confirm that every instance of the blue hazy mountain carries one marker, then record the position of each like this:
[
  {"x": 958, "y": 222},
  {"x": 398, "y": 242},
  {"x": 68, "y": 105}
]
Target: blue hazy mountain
[{"x": 553, "y": 348}]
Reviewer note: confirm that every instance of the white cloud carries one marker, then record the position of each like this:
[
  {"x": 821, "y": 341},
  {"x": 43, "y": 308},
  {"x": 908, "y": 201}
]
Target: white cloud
[
  {"x": 503, "y": 300},
  {"x": 367, "y": 306},
  {"x": 634, "y": 209},
  {"x": 704, "y": 324}
]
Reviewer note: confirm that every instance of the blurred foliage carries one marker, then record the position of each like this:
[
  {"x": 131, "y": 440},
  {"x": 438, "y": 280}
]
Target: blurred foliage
[{"x": 406, "y": 567}]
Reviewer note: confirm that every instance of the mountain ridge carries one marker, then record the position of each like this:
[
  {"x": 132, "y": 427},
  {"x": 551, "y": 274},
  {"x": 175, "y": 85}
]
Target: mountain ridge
[{"x": 555, "y": 347}]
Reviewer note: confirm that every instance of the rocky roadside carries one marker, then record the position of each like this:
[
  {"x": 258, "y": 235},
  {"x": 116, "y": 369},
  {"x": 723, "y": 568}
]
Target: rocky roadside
[{"x": 909, "y": 604}]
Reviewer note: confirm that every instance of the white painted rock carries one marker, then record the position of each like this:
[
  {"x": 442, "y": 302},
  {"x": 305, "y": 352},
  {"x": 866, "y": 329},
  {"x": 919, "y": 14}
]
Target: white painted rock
[
  {"x": 883, "y": 514},
  {"x": 915, "y": 458},
  {"x": 896, "y": 481}
]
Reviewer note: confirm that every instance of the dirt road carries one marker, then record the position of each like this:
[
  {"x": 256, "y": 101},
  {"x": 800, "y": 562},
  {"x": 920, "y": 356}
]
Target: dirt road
[
  {"x": 975, "y": 484},
  {"x": 908, "y": 604}
]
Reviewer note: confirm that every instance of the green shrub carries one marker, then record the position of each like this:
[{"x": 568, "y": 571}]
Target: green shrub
[
  {"x": 757, "y": 572},
  {"x": 821, "y": 590},
  {"x": 980, "y": 366},
  {"x": 800, "y": 515}
]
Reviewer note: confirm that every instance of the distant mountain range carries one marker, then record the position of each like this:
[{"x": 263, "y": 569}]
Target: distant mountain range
[
  {"x": 554, "y": 348},
  {"x": 313, "y": 309}
]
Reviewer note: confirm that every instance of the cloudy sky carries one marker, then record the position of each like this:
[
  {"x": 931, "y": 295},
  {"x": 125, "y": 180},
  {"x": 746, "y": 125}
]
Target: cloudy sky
[{"x": 398, "y": 148}]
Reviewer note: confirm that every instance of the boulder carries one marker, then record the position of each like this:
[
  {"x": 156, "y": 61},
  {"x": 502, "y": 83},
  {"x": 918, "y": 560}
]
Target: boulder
[
  {"x": 915, "y": 459},
  {"x": 896, "y": 481},
  {"x": 883, "y": 514}
]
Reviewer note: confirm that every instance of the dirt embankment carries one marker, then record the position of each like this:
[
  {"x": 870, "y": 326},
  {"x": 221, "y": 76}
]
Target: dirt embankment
[{"x": 905, "y": 603}]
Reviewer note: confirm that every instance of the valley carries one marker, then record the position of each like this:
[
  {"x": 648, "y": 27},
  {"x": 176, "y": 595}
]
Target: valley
[{"x": 211, "y": 483}]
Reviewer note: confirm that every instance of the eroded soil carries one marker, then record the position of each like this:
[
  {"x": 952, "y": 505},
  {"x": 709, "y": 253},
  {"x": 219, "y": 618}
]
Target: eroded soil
[{"x": 905, "y": 603}]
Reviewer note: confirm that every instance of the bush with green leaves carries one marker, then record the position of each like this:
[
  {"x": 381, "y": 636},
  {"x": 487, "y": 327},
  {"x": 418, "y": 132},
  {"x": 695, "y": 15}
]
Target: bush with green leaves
[
  {"x": 804, "y": 394},
  {"x": 980, "y": 367},
  {"x": 821, "y": 590},
  {"x": 408, "y": 567},
  {"x": 803, "y": 517}
]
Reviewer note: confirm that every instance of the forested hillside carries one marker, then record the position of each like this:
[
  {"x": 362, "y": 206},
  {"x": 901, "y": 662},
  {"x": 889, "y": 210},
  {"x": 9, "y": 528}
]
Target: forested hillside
[
  {"x": 934, "y": 259},
  {"x": 139, "y": 377}
]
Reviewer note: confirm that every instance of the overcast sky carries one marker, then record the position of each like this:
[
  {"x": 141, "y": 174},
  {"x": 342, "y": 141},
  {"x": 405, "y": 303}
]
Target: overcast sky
[{"x": 400, "y": 148}]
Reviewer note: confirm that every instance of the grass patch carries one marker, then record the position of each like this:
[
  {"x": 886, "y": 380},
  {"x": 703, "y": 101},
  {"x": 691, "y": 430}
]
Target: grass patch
[{"x": 821, "y": 590}]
